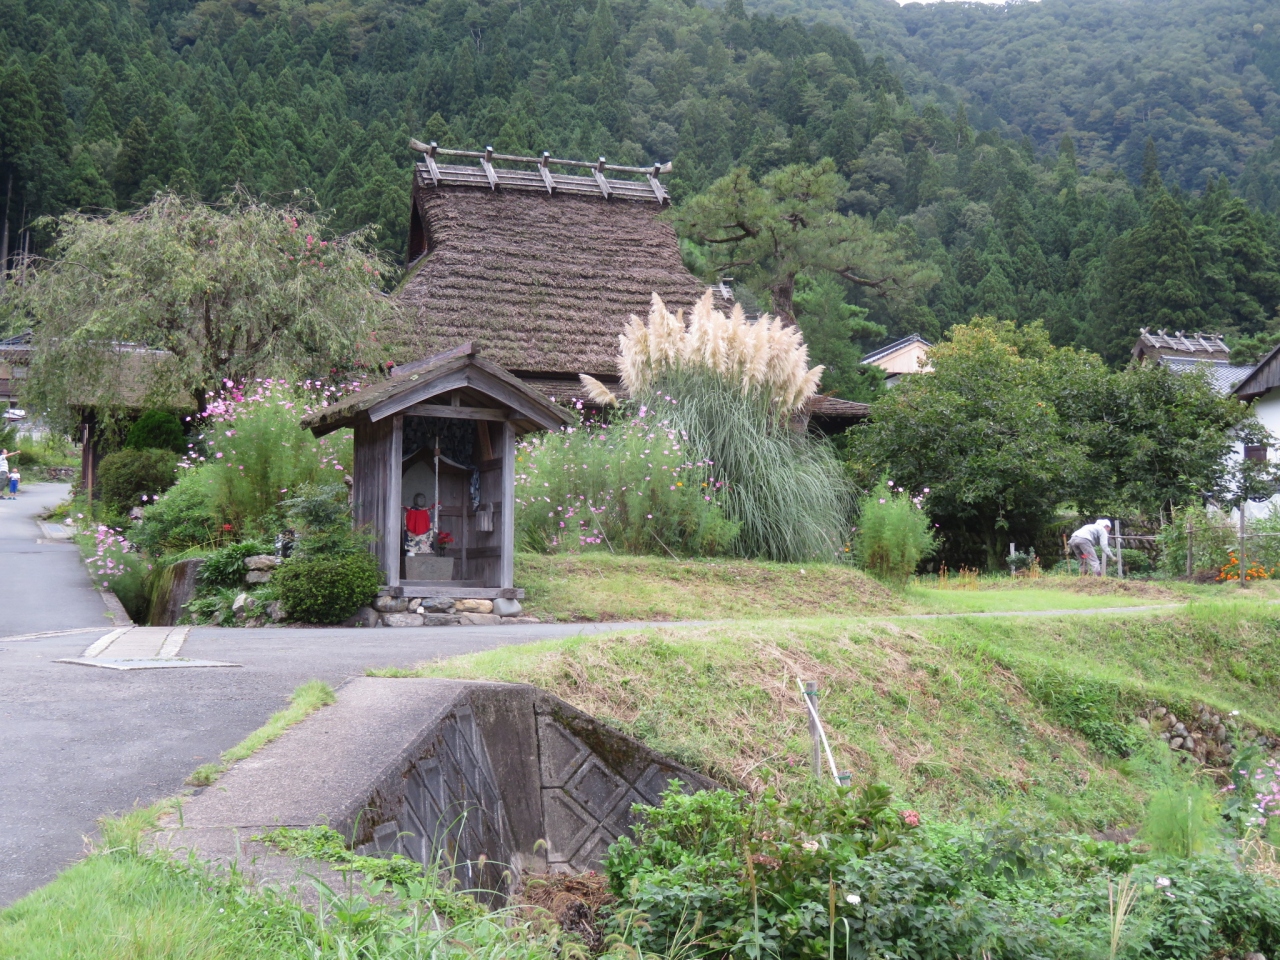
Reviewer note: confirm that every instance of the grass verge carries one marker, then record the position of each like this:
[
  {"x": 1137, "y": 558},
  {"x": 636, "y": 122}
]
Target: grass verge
[
  {"x": 603, "y": 586},
  {"x": 304, "y": 701}
]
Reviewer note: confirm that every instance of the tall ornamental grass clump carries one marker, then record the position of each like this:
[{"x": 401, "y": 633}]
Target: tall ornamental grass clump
[
  {"x": 631, "y": 485},
  {"x": 893, "y": 533},
  {"x": 731, "y": 387},
  {"x": 255, "y": 456}
]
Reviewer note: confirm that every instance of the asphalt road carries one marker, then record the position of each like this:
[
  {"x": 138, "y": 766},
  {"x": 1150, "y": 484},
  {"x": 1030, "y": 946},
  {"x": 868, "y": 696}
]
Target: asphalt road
[{"x": 78, "y": 742}]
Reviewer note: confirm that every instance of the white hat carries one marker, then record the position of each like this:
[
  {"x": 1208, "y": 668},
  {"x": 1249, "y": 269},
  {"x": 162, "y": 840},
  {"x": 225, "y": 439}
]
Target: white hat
[{"x": 1105, "y": 522}]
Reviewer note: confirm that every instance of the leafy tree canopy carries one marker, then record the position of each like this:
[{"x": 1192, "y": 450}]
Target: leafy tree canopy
[
  {"x": 1008, "y": 428},
  {"x": 173, "y": 300}
]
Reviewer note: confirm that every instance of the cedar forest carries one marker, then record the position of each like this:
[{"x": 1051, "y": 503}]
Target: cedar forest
[{"x": 1017, "y": 189}]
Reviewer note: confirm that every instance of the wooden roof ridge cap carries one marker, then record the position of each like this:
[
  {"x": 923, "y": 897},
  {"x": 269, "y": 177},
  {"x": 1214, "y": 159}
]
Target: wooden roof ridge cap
[{"x": 432, "y": 151}]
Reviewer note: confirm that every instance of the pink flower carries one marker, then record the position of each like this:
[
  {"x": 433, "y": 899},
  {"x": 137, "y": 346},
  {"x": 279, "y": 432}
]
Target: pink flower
[{"x": 910, "y": 818}]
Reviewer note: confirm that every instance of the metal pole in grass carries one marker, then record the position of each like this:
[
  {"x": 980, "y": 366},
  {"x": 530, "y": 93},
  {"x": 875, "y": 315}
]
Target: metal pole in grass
[
  {"x": 817, "y": 736},
  {"x": 1243, "y": 559},
  {"x": 1119, "y": 551}
]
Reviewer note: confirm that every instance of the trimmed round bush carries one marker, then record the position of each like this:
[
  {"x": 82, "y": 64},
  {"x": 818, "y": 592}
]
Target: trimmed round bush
[
  {"x": 157, "y": 430},
  {"x": 327, "y": 589},
  {"x": 126, "y": 476}
]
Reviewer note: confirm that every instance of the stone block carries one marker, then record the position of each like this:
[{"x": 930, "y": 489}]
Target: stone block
[
  {"x": 275, "y": 611},
  {"x": 426, "y": 566},
  {"x": 507, "y": 608},
  {"x": 437, "y": 605},
  {"x": 522, "y": 620},
  {"x": 402, "y": 619},
  {"x": 391, "y": 604},
  {"x": 242, "y": 603},
  {"x": 262, "y": 562},
  {"x": 441, "y": 619},
  {"x": 480, "y": 619},
  {"x": 473, "y": 606},
  {"x": 257, "y": 576},
  {"x": 364, "y": 617}
]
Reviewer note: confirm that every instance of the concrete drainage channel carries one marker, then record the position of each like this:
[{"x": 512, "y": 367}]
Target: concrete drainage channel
[{"x": 487, "y": 780}]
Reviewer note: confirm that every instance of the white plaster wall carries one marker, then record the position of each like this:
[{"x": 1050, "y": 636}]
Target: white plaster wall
[{"x": 1267, "y": 410}]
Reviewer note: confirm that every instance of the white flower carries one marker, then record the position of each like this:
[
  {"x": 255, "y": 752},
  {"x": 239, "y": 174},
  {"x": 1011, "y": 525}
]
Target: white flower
[
  {"x": 1163, "y": 882},
  {"x": 852, "y": 898},
  {"x": 810, "y": 845}
]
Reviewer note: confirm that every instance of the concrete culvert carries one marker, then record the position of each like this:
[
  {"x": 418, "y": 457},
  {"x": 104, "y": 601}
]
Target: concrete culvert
[{"x": 486, "y": 780}]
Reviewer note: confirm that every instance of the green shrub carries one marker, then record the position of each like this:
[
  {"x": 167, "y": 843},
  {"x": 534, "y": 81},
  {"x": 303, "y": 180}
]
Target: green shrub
[
  {"x": 1183, "y": 821},
  {"x": 327, "y": 589},
  {"x": 131, "y": 478},
  {"x": 631, "y": 485},
  {"x": 320, "y": 517},
  {"x": 225, "y": 566},
  {"x": 156, "y": 430},
  {"x": 893, "y": 533},
  {"x": 785, "y": 490},
  {"x": 1213, "y": 538},
  {"x": 256, "y": 456},
  {"x": 181, "y": 518}
]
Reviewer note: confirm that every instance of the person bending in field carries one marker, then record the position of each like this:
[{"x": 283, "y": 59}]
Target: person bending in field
[{"x": 1085, "y": 541}]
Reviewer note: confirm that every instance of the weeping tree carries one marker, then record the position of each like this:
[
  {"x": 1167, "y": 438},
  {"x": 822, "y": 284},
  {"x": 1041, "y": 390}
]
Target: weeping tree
[
  {"x": 161, "y": 306},
  {"x": 731, "y": 387}
]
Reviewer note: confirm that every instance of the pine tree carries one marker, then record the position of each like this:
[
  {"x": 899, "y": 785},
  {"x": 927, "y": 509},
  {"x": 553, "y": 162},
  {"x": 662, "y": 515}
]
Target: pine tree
[
  {"x": 131, "y": 162},
  {"x": 1151, "y": 182}
]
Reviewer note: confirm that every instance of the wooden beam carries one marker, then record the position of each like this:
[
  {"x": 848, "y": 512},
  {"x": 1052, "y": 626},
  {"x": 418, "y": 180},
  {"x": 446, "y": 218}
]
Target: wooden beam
[
  {"x": 598, "y": 172},
  {"x": 485, "y": 162},
  {"x": 658, "y": 191},
  {"x": 524, "y": 406},
  {"x": 546, "y": 174},
  {"x": 507, "y": 563},
  {"x": 453, "y": 353},
  {"x": 459, "y": 590},
  {"x": 456, "y": 413},
  {"x": 394, "y": 475},
  {"x": 484, "y": 442},
  {"x": 427, "y": 389}
]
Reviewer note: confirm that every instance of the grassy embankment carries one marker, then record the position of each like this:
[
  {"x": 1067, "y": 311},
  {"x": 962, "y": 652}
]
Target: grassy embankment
[
  {"x": 961, "y": 716},
  {"x": 600, "y": 586}
]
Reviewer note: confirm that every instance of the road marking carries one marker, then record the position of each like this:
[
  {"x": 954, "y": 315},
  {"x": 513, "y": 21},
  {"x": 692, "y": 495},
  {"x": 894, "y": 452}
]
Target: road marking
[
  {"x": 48, "y": 633},
  {"x": 141, "y": 648}
]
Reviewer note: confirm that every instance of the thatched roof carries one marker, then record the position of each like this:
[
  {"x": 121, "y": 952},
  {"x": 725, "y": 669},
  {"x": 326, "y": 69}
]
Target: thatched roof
[{"x": 540, "y": 282}]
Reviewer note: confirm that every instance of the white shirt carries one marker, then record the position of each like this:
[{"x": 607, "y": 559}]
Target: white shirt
[{"x": 1095, "y": 533}]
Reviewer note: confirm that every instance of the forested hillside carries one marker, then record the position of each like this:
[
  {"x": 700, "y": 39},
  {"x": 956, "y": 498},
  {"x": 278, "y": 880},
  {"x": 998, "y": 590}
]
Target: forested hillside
[
  {"x": 103, "y": 103},
  {"x": 1200, "y": 77}
]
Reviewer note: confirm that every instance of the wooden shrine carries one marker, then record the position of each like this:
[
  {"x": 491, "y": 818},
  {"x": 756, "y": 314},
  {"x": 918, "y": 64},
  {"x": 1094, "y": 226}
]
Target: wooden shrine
[{"x": 440, "y": 435}]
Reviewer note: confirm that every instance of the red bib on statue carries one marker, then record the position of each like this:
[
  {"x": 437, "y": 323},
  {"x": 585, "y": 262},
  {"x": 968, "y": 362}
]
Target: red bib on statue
[{"x": 417, "y": 522}]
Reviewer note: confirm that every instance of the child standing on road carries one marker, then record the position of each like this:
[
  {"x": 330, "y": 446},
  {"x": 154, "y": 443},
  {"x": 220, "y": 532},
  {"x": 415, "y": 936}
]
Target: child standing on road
[{"x": 14, "y": 477}]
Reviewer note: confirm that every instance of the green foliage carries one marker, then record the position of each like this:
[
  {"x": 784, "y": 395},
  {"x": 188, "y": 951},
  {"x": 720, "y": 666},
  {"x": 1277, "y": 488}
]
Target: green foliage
[
  {"x": 257, "y": 458},
  {"x": 131, "y": 478},
  {"x": 788, "y": 223},
  {"x": 1183, "y": 821},
  {"x": 749, "y": 872},
  {"x": 157, "y": 430},
  {"x": 325, "y": 843},
  {"x": 321, "y": 520},
  {"x": 181, "y": 518},
  {"x": 893, "y": 533},
  {"x": 1007, "y": 427},
  {"x": 327, "y": 589},
  {"x": 237, "y": 290},
  {"x": 1212, "y": 536},
  {"x": 784, "y": 490},
  {"x": 225, "y": 567},
  {"x": 1092, "y": 707},
  {"x": 631, "y": 484}
]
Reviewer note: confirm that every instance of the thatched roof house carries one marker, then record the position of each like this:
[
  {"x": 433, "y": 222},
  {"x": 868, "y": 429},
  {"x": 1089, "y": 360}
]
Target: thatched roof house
[{"x": 541, "y": 268}]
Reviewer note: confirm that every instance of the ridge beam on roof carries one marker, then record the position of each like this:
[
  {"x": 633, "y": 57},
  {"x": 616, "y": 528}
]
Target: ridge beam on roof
[
  {"x": 433, "y": 150},
  {"x": 546, "y": 174},
  {"x": 658, "y": 191},
  {"x": 598, "y": 170},
  {"x": 485, "y": 162}
]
